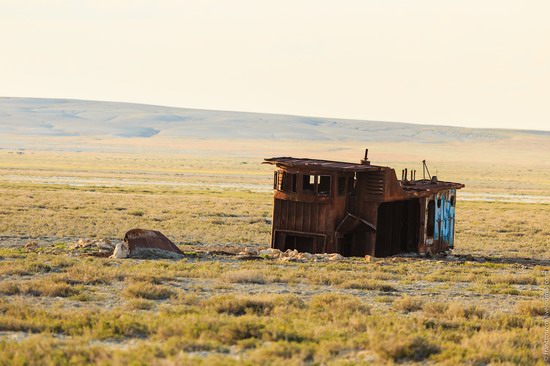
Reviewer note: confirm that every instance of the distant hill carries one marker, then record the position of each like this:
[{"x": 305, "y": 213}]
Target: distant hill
[{"x": 28, "y": 118}]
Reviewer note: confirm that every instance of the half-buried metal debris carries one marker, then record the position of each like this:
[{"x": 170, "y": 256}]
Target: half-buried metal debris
[{"x": 148, "y": 244}]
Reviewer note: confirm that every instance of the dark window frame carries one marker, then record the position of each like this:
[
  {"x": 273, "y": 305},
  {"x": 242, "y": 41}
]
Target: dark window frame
[
  {"x": 312, "y": 188},
  {"x": 322, "y": 184},
  {"x": 307, "y": 186}
]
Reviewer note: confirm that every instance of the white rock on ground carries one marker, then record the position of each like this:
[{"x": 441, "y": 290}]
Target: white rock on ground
[
  {"x": 271, "y": 253},
  {"x": 290, "y": 255},
  {"x": 335, "y": 257},
  {"x": 120, "y": 251},
  {"x": 251, "y": 251}
]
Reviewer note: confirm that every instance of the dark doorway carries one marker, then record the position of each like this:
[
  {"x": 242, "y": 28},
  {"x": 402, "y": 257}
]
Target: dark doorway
[
  {"x": 431, "y": 219},
  {"x": 346, "y": 245},
  {"x": 353, "y": 244},
  {"x": 398, "y": 227}
]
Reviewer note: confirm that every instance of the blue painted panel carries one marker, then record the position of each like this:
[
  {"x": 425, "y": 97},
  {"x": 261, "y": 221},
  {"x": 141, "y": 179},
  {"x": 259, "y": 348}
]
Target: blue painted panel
[{"x": 445, "y": 217}]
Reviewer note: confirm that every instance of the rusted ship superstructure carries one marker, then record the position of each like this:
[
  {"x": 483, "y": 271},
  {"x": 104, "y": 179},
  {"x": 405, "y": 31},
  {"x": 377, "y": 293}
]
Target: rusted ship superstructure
[{"x": 357, "y": 209}]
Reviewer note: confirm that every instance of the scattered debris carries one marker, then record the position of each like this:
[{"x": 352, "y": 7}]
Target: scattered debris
[
  {"x": 287, "y": 256},
  {"x": 96, "y": 247},
  {"x": 138, "y": 243},
  {"x": 335, "y": 257},
  {"x": 31, "y": 244},
  {"x": 270, "y": 253},
  {"x": 250, "y": 251}
]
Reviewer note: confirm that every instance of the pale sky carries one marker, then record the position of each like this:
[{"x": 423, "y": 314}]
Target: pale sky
[{"x": 464, "y": 63}]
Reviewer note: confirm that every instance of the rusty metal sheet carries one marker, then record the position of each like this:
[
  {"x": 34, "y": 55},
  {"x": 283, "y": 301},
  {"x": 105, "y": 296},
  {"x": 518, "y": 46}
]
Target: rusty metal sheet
[
  {"x": 149, "y": 239},
  {"x": 309, "y": 164},
  {"x": 428, "y": 185}
]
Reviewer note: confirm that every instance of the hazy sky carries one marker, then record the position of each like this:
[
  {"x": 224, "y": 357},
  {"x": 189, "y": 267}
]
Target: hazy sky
[{"x": 468, "y": 63}]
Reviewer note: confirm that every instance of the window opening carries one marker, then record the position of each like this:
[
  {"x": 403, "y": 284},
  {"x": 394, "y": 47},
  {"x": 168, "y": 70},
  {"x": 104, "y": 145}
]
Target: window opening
[
  {"x": 284, "y": 182},
  {"x": 324, "y": 185},
  {"x": 308, "y": 183},
  {"x": 293, "y": 179}
]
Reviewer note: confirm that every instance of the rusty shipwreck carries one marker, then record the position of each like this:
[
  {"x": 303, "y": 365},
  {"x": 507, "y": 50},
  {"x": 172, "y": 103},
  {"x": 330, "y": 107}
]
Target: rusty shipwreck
[{"x": 358, "y": 209}]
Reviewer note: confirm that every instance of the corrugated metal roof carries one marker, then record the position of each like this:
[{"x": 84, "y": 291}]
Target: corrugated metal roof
[{"x": 321, "y": 164}]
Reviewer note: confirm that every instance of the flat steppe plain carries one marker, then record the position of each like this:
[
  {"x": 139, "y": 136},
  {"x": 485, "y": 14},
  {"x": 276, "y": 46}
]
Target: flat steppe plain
[
  {"x": 93, "y": 170},
  {"x": 485, "y": 303}
]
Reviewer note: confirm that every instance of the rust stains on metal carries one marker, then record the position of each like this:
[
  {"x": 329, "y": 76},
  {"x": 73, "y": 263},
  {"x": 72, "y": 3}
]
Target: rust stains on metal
[
  {"x": 358, "y": 209},
  {"x": 139, "y": 240},
  {"x": 318, "y": 164}
]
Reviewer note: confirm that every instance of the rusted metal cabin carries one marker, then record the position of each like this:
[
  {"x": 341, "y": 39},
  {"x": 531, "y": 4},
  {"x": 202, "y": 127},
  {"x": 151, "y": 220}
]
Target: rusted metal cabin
[{"x": 324, "y": 206}]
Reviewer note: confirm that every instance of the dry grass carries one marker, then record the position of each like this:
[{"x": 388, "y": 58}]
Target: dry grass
[
  {"x": 147, "y": 290},
  {"x": 533, "y": 308},
  {"x": 246, "y": 276},
  {"x": 39, "y": 287},
  {"x": 83, "y": 310},
  {"x": 408, "y": 304}
]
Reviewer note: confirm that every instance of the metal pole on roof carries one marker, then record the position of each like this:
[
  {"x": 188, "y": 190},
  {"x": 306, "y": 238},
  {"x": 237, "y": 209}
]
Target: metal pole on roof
[{"x": 425, "y": 169}]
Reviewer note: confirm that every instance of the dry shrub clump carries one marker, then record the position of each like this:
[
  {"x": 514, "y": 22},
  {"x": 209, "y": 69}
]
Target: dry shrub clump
[
  {"x": 9, "y": 288},
  {"x": 506, "y": 347},
  {"x": 51, "y": 289},
  {"x": 149, "y": 291},
  {"x": 93, "y": 273},
  {"x": 283, "y": 352},
  {"x": 24, "y": 268},
  {"x": 246, "y": 276},
  {"x": 140, "y": 304},
  {"x": 434, "y": 309},
  {"x": 453, "y": 311},
  {"x": 334, "y": 306},
  {"x": 461, "y": 311},
  {"x": 512, "y": 279},
  {"x": 406, "y": 348},
  {"x": 240, "y": 305},
  {"x": 40, "y": 287},
  {"x": 533, "y": 308},
  {"x": 408, "y": 304},
  {"x": 367, "y": 284}
]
